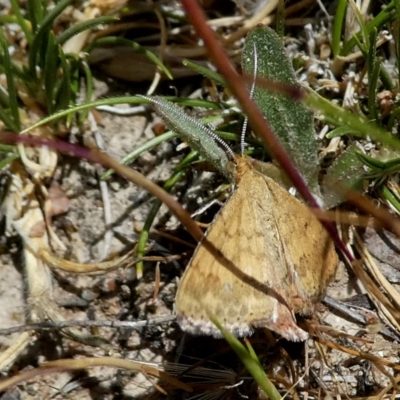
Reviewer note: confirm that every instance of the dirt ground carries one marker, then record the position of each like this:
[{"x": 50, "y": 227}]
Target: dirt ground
[{"x": 317, "y": 370}]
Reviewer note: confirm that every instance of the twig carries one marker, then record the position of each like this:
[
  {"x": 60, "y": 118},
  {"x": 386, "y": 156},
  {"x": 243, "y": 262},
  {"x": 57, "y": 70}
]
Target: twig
[{"x": 55, "y": 325}]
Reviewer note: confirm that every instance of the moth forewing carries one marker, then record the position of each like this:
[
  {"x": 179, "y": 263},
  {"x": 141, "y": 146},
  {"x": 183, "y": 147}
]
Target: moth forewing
[{"x": 264, "y": 257}]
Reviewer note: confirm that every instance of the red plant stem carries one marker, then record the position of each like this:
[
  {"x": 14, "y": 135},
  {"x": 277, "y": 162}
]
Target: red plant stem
[{"x": 237, "y": 85}]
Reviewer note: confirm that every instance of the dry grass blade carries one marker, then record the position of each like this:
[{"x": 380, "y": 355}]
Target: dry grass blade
[
  {"x": 387, "y": 219},
  {"x": 356, "y": 353},
  {"x": 259, "y": 17},
  {"x": 381, "y": 283},
  {"x": 113, "y": 362},
  {"x": 348, "y": 218},
  {"x": 55, "y": 262},
  {"x": 9, "y": 356}
]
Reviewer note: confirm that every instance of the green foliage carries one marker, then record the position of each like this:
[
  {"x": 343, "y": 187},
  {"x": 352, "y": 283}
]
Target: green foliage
[
  {"x": 381, "y": 164},
  {"x": 291, "y": 121},
  {"x": 388, "y": 14},
  {"x": 250, "y": 361},
  {"x": 371, "y": 123},
  {"x": 47, "y": 75},
  {"x": 200, "y": 137},
  {"x": 347, "y": 171}
]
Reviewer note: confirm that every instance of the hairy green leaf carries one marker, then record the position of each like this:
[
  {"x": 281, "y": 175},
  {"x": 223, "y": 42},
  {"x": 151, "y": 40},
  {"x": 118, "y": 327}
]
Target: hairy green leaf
[{"x": 291, "y": 120}]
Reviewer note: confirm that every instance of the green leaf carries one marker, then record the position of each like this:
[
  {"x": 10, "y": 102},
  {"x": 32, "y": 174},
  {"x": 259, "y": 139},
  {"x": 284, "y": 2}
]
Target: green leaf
[
  {"x": 89, "y": 85},
  {"x": 5, "y": 162},
  {"x": 35, "y": 12},
  {"x": 200, "y": 137},
  {"x": 333, "y": 114},
  {"x": 341, "y": 131},
  {"x": 386, "y": 163},
  {"x": 291, "y": 121},
  {"x": 392, "y": 197},
  {"x": 348, "y": 171}
]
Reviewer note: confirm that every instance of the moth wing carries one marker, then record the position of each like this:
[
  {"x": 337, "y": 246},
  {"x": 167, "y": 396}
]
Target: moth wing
[
  {"x": 310, "y": 252},
  {"x": 236, "y": 273}
]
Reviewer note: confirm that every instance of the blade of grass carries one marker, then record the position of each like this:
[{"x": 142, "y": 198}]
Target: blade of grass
[
  {"x": 8, "y": 160},
  {"x": 64, "y": 93},
  {"x": 50, "y": 72},
  {"x": 393, "y": 117},
  {"x": 383, "y": 73},
  {"x": 8, "y": 121},
  {"x": 363, "y": 30},
  {"x": 336, "y": 115},
  {"x": 83, "y": 26},
  {"x": 280, "y": 19},
  {"x": 337, "y": 27},
  {"x": 373, "y": 64},
  {"x": 168, "y": 186},
  {"x": 4, "y": 102},
  {"x": 114, "y": 101},
  {"x": 6, "y": 148},
  {"x": 250, "y": 361},
  {"x": 89, "y": 89},
  {"x": 35, "y": 12},
  {"x": 11, "y": 88},
  {"x": 387, "y": 14},
  {"x": 18, "y": 72},
  {"x": 390, "y": 198},
  {"x": 21, "y": 21},
  {"x": 341, "y": 131},
  {"x": 207, "y": 72},
  {"x": 150, "y": 144},
  {"x": 38, "y": 48}
]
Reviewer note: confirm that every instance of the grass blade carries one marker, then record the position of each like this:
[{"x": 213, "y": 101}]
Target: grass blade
[
  {"x": 252, "y": 365},
  {"x": 11, "y": 88},
  {"x": 83, "y": 26},
  {"x": 340, "y": 15}
]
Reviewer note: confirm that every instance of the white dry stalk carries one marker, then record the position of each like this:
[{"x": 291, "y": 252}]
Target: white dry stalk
[
  {"x": 108, "y": 235},
  {"x": 26, "y": 216},
  {"x": 385, "y": 286}
]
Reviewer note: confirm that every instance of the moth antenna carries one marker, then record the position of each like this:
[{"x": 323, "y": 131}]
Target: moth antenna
[
  {"x": 222, "y": 142},
  {"x": 253, "y": 86}
]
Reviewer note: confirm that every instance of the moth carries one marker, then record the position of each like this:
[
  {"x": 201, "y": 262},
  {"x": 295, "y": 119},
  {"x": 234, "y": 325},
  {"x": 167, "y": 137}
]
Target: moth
[{"x": 264, "y": 258}]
